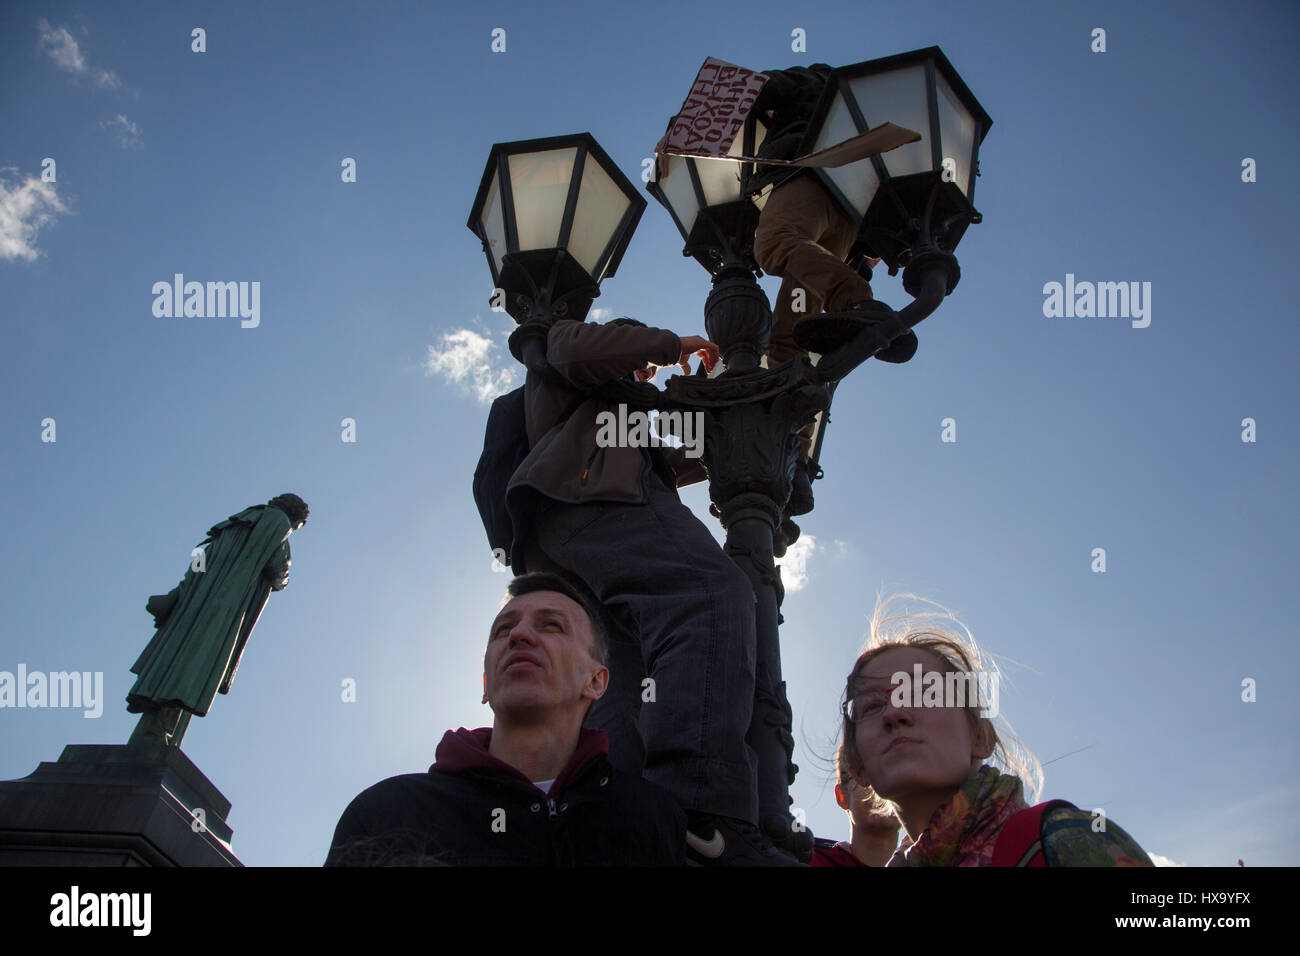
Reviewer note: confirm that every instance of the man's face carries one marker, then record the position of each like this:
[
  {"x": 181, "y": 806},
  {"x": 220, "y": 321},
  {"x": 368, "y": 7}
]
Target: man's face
[{"x": 539, "y": 657}]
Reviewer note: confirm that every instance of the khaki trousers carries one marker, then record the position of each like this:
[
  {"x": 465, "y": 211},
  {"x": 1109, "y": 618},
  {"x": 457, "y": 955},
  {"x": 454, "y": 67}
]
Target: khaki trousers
[{"x": 803, "y": 237}]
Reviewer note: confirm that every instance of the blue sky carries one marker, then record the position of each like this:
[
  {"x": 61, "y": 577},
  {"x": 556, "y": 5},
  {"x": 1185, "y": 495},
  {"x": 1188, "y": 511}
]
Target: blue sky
[{"x": 1073, "y": 434}]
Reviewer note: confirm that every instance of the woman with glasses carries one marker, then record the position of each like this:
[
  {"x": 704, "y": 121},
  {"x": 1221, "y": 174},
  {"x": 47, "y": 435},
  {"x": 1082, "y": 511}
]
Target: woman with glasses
[{"x": 918, "y": 729}]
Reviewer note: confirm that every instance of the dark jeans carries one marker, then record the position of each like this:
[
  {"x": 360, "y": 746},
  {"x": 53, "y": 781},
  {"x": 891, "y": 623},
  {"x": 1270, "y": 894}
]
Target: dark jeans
[{"x": 664, "y": 578}]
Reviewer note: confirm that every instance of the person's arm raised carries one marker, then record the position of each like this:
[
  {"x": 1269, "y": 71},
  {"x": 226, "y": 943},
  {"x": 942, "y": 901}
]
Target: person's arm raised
[{"x": 590, "y": 355}]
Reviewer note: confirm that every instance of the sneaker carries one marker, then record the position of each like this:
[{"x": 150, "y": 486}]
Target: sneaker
[
  {"x": 725, "y": 841},
  {"x": 898, "y": 351}
]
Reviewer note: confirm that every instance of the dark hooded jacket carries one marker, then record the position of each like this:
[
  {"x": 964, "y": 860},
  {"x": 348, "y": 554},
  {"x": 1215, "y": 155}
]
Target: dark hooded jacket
[
  {"x": 565, "y": 462},
  {"x": 792, "y": 96},
  {"x": 472, "y": 809}
]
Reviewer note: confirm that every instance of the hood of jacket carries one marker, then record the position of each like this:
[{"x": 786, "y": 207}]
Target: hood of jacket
[{"x": 463, "y": 749}]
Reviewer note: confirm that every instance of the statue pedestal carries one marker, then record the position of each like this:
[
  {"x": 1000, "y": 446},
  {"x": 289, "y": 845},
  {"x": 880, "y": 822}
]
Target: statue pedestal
[{"x": 108, "y": 805}]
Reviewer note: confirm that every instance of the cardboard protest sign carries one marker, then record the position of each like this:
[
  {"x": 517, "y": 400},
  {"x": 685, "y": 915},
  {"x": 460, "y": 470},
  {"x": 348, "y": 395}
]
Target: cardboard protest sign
[
  {"x": 715, "y": 110},
  {"x": 882, "y": 139}
]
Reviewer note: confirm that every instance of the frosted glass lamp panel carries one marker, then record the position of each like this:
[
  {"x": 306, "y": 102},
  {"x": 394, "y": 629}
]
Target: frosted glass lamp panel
[
  {"x": 720, "y": 180},
  {"x": 601, "y": 204},
  {"x": 957, "y": 133},
  {"x": 539, "y": 184},
  {"x": 679, "y": 192},
  {"x": 898, "y": 97},
  {"x": 494, "y": 224},
  {"x": 857, "y": 181}
]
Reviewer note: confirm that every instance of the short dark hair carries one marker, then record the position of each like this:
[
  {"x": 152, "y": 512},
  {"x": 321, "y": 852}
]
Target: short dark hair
[{"x": 547, "y": 581}]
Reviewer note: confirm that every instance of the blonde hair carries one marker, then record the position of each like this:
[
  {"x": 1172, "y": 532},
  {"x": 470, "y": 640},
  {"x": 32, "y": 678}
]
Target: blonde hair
[{"x": 943, "y": 634}]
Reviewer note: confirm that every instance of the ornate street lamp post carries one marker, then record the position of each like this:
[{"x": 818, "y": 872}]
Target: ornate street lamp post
[
  {"x": 913, "y": 204},
  {"x": 751, "y": 417},
  {"x": 555, "y": 216}
]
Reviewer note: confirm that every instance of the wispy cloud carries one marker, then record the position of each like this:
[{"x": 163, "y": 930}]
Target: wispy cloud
[
  {"x": 794, "y": 566},
  {"x": 66, "y": 54},
  {"x": 24, "y": 209},
  {"x": 599, "y": 315},
  {"x": 128, "y": 133},
  {"x": 469, "y": 360},
  {"x": 1159, "y": 860}
]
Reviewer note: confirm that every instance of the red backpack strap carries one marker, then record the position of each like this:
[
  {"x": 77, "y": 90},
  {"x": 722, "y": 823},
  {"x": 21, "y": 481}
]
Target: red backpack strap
[{"x": 1021, "y": 841}]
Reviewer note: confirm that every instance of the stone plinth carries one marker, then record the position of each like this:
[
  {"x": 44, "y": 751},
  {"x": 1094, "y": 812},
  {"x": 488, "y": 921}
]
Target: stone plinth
[{"x": 101, "y": 805}]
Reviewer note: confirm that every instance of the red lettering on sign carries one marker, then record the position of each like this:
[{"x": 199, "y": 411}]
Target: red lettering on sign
[{"x": 714, "y": 111}]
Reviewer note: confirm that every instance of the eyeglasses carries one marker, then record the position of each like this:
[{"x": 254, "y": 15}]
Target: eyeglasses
[{"x": 863, "y": 707}]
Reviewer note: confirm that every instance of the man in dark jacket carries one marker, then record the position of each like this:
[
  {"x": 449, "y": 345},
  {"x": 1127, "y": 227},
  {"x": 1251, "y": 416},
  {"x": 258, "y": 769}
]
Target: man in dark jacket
[
  {"x": 534, "y": 789},
  {"x": 610, "y": 516}
]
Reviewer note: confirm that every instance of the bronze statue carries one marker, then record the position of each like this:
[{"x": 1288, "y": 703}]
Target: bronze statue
[{"x": 203, "y": 623}]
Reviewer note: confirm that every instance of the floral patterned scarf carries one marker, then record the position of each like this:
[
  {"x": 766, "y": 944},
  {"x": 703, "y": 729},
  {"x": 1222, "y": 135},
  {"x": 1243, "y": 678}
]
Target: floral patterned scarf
[{"x": 963, "y": 831}]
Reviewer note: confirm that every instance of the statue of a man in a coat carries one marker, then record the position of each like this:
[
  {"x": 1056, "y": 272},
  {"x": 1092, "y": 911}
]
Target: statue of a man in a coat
[{"x": 204, "y": 622}]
